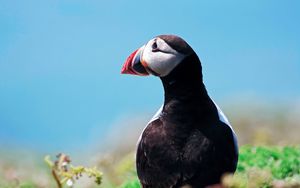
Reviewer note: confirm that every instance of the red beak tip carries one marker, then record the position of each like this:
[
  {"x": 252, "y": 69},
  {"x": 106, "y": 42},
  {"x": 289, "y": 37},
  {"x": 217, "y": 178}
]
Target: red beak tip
[
  {"x": 123, "y": 71},
  {"x": 127, "y": 69}
]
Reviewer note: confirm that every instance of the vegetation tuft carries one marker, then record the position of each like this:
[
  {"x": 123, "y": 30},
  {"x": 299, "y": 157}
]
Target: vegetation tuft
[{"x": 65, "y": 174}]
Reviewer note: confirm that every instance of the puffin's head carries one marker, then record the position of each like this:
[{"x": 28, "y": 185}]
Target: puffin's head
[{"x": 159, "y": 56}]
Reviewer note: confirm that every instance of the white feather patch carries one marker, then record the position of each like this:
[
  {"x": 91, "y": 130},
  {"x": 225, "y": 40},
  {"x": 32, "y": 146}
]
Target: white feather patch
[
  {"x": 224, "y": 119},
  {"x": 155, "y": 117},
  {"x": 162, "y": 61}
]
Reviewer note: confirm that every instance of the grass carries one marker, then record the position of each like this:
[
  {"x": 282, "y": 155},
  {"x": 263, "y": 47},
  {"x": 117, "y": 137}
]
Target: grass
[
  {"x": 281, "y": 162},
  {"x": 265, "y": 166}
]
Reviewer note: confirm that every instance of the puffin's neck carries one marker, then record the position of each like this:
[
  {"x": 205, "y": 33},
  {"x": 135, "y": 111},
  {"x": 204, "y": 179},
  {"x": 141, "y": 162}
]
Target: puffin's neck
[
  {"x": 186, "y": 99},
  {"x": 192, "y": 92},
  {"x": 185, "y": 84}
]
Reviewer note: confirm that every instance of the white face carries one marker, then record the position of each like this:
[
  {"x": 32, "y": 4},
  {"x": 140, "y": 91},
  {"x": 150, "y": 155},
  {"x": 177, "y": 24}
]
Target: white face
[{"x": 160, "y": 57}]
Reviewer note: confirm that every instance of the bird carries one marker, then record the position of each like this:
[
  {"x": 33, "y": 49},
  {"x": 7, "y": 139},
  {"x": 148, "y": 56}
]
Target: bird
[{"x": 189, "y": 142}]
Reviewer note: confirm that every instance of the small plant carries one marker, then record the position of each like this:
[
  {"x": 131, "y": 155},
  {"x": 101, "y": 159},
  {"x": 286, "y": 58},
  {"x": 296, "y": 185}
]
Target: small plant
[{"x": 66, "y": 174}]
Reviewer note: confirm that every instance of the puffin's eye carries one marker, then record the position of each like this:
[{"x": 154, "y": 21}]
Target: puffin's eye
[{"x": 154, "y": 47}]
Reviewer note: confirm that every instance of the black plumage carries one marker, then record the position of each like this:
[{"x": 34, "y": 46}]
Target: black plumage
[{"x": 188, "y": 143}]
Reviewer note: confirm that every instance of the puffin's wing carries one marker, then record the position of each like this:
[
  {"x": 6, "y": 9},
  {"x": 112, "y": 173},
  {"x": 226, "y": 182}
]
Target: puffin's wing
[
  {"x": 156, "y": 161},
  {"x": 208, "y": 155},
  {"x": 210, "y": 152}
]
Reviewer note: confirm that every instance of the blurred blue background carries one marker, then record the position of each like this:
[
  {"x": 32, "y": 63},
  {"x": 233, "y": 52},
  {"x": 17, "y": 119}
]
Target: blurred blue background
[{"x": 60, "y": 61}]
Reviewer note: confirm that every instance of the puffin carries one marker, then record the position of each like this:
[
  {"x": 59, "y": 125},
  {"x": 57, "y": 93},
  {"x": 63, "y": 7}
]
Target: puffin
[{"x": 189, "y": 142}]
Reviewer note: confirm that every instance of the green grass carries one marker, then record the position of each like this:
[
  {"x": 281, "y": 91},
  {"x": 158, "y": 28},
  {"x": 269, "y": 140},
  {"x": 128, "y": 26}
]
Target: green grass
[
  {"x": 131, "y": 184},
  {"x": 281, "y": 162},
  {"x": 264, "y": 166}
]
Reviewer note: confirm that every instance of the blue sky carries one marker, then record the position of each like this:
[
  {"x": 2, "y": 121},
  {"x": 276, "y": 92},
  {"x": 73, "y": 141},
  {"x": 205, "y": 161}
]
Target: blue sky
[{"x": 60, "y": 61}]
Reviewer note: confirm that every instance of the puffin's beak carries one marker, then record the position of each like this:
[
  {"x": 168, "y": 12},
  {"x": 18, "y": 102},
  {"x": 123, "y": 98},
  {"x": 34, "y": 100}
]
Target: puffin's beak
[{"x": 133, "y": 64}]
